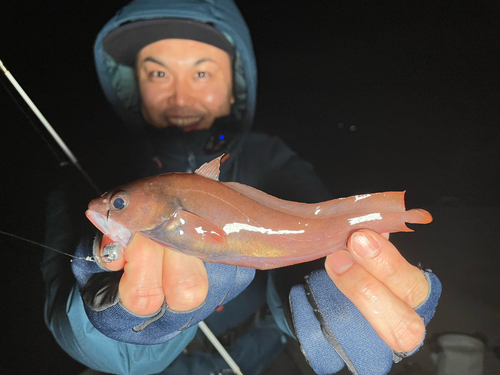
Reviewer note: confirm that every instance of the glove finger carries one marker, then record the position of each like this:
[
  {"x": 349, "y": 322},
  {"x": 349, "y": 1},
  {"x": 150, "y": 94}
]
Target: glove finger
[
  {"x": 320, "y": 355},
  {"x": 344, "y": 329}
]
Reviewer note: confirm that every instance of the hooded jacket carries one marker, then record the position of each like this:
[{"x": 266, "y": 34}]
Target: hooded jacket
[{"x": 257, "y": 160}]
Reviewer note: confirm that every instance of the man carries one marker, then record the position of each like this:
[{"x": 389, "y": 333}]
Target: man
[{"x": 182, "y": 75}]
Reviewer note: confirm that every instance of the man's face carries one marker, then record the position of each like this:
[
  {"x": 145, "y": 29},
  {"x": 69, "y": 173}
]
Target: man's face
[{"x": 184, "y": 83}]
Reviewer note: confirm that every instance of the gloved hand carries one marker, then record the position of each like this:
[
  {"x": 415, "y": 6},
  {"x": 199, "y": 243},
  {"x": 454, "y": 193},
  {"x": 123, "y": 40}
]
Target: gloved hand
[
  {"x": 153, "y": 293},
  {"x": 390, "y": 302}
]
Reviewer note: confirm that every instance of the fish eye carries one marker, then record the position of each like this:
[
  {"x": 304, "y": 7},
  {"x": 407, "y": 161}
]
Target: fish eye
[{"x": 119, "y": 201}]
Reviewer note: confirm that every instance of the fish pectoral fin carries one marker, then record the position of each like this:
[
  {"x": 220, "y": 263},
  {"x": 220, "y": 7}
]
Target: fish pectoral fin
[
  {"x": 200, "y": 229},
  {"x": 184, "y": 231},
  {"x": 211, "y": 169}
]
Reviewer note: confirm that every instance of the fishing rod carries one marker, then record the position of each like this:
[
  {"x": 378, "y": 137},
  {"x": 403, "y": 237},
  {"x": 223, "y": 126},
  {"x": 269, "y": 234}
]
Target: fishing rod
[
  {"x": 49, "y": 128},
  {"x": 107, "y": 256}
]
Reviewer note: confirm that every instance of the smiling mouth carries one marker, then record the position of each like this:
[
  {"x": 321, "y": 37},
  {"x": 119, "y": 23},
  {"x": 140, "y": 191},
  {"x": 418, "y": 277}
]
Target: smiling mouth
[
  {"x": 116, "y": 231},
  {"x": 184, "y": 121}
]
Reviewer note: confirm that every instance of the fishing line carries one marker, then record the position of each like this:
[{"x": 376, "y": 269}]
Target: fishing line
[
  {"x": 111, "y": 252},
  {"x": 94, "y": 258},
  {"x": 109, "y": 258}
]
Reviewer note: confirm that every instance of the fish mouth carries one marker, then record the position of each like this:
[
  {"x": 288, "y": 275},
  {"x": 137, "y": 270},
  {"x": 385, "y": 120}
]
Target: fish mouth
[{"x": 117, "y": 232}]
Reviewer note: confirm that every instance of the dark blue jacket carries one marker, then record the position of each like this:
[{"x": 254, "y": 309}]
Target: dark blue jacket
[{"x": 256, "y": 160}]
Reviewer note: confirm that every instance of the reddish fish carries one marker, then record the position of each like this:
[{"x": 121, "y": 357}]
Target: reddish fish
[{"x": 231, "y": 223}]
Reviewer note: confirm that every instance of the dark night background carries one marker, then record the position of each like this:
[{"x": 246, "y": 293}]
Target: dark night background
[{"x": 392, "y": 96}]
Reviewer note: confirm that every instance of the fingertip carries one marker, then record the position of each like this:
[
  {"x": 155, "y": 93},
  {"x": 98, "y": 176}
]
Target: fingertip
[
  {"x": 185, "y": 281},
  {"x": 338, "y": 262},
  {"x": 186, "y": 297},
  {"x": 408, "y": 336},
  {"x": 367, "y": 243}
]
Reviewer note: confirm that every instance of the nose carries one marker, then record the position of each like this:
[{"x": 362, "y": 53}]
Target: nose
[{"x": 182, "y": 94}]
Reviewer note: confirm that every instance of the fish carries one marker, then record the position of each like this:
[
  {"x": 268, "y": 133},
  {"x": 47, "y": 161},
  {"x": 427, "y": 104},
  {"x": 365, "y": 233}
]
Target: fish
[{"x": 235, "y": 224}]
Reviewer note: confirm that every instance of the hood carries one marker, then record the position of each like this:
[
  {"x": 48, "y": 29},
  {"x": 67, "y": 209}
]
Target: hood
[{"x": 119, "y": 84}]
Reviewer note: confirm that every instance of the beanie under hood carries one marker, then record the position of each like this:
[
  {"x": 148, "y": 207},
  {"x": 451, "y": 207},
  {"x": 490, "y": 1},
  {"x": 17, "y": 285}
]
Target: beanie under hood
[{"x": 118, "y": 81}]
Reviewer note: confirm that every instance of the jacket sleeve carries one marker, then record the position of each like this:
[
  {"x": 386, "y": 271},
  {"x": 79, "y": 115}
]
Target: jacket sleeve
[
  {"x": 84, "y": 313},
  {"x": 75, "y": 333}
]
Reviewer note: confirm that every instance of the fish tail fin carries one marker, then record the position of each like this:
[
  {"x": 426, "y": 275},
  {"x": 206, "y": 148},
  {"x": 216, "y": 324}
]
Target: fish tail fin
[
  {"x": 417, "y": 216},
  {"x": 414, "y": 216}
]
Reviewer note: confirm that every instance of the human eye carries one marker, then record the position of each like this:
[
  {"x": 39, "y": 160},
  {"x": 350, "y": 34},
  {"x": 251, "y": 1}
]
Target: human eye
[
  {"x": 157, "y": 74},
  {"x": 202, "y": 74}
]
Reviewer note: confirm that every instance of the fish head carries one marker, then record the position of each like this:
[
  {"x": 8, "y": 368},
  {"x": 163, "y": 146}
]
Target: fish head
[{"x": 136, "y": 207}]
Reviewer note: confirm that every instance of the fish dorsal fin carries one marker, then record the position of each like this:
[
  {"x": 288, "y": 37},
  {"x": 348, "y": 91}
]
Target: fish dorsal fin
[
  {"x": 378, "y": 202},
  {"x": 211, "y": 169}
]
